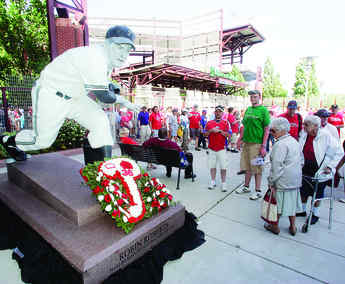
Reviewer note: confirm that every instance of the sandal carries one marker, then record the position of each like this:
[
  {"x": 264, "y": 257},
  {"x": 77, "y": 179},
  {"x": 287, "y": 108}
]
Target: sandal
[
  {"x": 270, "y": 228},
  {"x": 292, "y": 230}
]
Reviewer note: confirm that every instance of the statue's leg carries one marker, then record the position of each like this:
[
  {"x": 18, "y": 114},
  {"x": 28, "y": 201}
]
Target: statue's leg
[
  {"x": 49, "y": 113},
  {"x": 99, "y": 140}
]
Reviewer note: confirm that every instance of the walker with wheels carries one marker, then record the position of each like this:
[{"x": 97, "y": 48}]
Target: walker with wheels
[{"x": 318, "y": 178}]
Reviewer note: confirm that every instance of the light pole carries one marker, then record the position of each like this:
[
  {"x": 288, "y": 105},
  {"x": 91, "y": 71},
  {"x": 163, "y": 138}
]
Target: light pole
[{"x": 308, "y": 64}]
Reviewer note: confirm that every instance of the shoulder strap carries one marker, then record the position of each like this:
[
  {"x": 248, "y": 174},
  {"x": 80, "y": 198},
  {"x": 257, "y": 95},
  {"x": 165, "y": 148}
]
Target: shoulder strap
[{"x": 299, "y": 122}]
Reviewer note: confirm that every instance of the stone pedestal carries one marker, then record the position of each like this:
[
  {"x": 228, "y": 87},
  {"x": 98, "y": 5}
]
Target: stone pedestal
[{"x": 47, "y": 193}]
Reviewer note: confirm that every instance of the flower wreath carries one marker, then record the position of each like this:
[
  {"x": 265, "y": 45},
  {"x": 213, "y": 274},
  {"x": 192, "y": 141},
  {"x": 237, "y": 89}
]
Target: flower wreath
[{"x": 125, "y": 191}]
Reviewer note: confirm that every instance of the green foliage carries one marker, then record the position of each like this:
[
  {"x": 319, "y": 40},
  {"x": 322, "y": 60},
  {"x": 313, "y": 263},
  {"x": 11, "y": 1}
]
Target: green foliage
[
  {"x": 237, "y": 75},
  {"x": 306, "y": 74},
  {"x": 70, "y": 136},
  {"x": 24, "y": 44},
  {"x": 272, "y": 86}
]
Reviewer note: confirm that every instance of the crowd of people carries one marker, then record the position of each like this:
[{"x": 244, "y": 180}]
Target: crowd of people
[
  {"x": 300, "y": 147},
  {"x": 18, "y": 118}
]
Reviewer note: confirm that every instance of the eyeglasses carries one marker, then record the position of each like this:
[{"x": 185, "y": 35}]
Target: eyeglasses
[{"x": 273, "y": 131}]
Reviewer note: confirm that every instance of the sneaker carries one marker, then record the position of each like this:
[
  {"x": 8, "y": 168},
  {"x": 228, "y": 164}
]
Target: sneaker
[
  {"x": 197, "y": 149},
  {"x": 224, "y": 189},
  {"x": 255, "y": 195},
  {"x": 234, "y": 151},
  {"x": 243, "y": 189},
  {"x": 211, "y": 186}
]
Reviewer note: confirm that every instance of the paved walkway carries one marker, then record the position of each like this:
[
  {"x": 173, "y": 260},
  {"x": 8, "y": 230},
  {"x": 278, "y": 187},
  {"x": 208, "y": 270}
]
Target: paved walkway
[{"x": 238, "y": 248}]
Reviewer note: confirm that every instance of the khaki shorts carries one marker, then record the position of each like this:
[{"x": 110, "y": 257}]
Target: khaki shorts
[
  {"x": 234, "y": 137},
  {"x": 249, "y": 152},
  {"x": 214, "y": 157}
]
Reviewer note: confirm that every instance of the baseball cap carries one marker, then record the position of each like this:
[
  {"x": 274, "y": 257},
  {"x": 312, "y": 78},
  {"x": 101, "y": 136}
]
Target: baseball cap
[
  {"x": 322, "y": 113},
  {"x": 254, "y": 92},
  {"x": 334, "y": 106},
  {"x": 219, "y": 107},
  {"x": 292, "y": 104},
  {"x": 121, "y": 34}
]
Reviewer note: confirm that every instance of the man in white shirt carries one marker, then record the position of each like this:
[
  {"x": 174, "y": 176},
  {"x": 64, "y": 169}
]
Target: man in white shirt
[
  {"x": 72, "y": 86},
  {"x": 324, "y": 114}
]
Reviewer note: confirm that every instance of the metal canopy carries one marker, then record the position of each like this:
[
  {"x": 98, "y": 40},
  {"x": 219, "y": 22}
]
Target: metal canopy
[
  {"x": 237, "y": 41},
  {"x": 167, "y": 75}
]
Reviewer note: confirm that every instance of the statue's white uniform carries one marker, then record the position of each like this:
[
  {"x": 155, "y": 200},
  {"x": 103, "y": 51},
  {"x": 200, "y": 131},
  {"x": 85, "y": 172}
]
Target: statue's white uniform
[{"x": 61, "y": 92}]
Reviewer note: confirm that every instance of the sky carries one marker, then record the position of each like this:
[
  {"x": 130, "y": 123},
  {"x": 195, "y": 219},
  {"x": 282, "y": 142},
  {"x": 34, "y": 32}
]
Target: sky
[{"x": 292, "y": 29}]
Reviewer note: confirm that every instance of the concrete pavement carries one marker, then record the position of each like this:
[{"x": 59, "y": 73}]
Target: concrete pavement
[{"x": 238, "y": 248}]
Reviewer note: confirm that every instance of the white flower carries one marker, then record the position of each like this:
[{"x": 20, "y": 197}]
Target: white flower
[
  {"x": 98, "y": 178},
  {"x": 100, "y": 198},
  {"x": 161, "y": 203},
  {"x": 108, "y": 208},
  {"x": 158, "y": 193},
  {"x": 125, "y": 219},
  {"x": 111, "y": 188},
  {"x": 149, "y": 199},
  {"x": 147, "y": 183}
]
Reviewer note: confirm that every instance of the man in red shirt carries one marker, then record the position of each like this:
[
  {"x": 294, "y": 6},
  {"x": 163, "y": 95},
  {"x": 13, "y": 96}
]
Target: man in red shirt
[
  {"x": 163, "y": 141},
  {"x": 336, "y": 118},
  {"x": 295, "y": 119},
  {"x": 194, "y": 125},
  {"x": 155, "y": 121},
  {"x": 217, "y": 131}
]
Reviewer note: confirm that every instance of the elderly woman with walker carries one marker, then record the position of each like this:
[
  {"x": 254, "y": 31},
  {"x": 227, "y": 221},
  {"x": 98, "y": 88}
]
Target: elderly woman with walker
[
  {"x": 321, "y": 154},
  {"x": 285, "y": 176}
]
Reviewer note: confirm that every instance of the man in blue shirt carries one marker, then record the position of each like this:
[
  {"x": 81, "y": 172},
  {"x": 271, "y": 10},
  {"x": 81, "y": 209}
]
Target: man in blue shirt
[
  {"x": 202, "y": 138},
  {"x": 143, "y": 119}
]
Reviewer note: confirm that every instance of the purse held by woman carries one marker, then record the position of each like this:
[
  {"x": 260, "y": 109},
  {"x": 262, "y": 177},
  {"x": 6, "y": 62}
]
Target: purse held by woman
[{"x": 269, "y": 210}]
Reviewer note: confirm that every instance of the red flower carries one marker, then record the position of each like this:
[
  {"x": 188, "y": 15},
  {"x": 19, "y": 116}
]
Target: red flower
[
  {"x": 107, "y": 198},
  {"x": 162, "y": 194},
  {"x": 124, "y": 196},
  {"x": 155, "y": 203},
  {"x": 126, "y": 165},
  {"x": 115, "y": 213},
  {"x": 105, "y": 182},
  {"x": 120, "y": 202},
  {"x": 146, "y": 175},
  {"x": 131, "y": 220},
  {"x": 146, "y": 189},
  {"x": 101, "y": 189},
  {"x": 170, "y": 197},
  {"x": 165, "y": 205},
  {"x": 96, "y": 190},
  {"x": 85, "y": 178}
]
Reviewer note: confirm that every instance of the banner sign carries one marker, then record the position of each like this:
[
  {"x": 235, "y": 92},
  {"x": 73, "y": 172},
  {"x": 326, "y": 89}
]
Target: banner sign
[{"x": 217, "y": 73}]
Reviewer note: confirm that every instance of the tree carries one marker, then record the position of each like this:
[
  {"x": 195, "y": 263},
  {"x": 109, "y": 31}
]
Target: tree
[
  {"x": 237, "y": 75},
  {"x": 24, "y": 43},
  {"x": 306, "y": 74},
  {"x": 272, "y": 87}
]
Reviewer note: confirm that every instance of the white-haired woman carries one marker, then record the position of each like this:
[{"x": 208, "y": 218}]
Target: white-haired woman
[
  {"x": 321, "y": 154},
  {"x": 285, "y": 176}
]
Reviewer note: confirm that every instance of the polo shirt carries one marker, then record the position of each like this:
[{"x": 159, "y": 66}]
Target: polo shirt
[{"x": 216, "y": 141}]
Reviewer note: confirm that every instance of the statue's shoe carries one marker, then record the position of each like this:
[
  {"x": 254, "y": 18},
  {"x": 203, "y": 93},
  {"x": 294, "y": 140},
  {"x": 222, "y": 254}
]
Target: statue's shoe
[{"x": 12, "y": 149}]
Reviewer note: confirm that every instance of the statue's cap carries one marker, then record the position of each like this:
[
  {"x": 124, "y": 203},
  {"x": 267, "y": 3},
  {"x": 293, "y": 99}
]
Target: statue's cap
[{"x": 121, "y": 34}]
